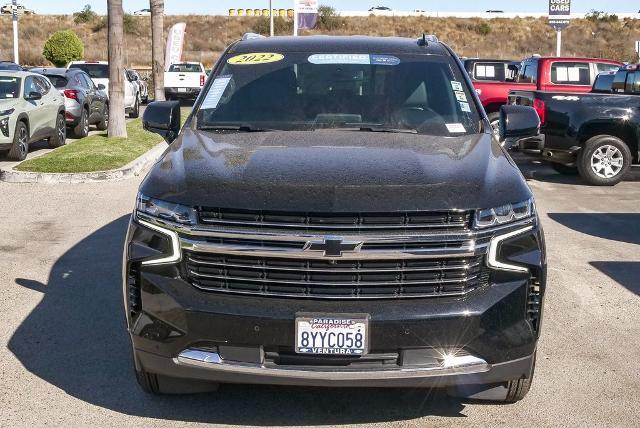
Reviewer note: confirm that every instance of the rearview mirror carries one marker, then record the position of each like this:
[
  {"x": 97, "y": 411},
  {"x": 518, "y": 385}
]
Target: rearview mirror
[
  {"x": 163, "y": 118},
  {"x": 517, "y": 123},
  {"x": 33, "y": 96}
]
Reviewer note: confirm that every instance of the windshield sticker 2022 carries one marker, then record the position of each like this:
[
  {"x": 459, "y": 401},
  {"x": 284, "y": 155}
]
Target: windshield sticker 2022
[{"x": 255, "y": 58}]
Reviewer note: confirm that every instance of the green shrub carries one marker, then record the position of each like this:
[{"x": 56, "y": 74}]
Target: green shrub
[
  {"x": 483, "y": 28},
  {"x": 599, "y": 16},
  {"x": 129, "y": 24},
  {"x": 281, "y": 26},
  {"x": 63, "y": 47},
  {"x": 328, "y": 19},
  {"x": 85, "y": 15}
]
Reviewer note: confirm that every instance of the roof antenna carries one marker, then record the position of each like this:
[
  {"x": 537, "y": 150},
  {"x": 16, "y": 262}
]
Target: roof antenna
[{"x": 422, "y": 41}]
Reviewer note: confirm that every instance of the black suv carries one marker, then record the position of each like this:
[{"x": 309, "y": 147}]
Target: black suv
[{"x": 335, "y": 212}]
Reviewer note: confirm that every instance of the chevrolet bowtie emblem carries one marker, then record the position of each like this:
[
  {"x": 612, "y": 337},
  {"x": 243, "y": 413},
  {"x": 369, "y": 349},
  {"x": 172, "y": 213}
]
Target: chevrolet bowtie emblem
[{"x": 333, "y": 246}]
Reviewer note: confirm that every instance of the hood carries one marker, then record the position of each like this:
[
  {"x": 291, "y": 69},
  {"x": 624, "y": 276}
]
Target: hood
[
  {"x": 335, "y": 171},
  {"x": 7, "y": 103}
]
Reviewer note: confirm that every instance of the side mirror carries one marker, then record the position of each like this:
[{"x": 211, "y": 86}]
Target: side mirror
[
  {"x": 163, "y": 118},
  {"x": 101, "y": 87},
  {"x": 517, "y": 123},
  {"x": 33, "y": 96}
]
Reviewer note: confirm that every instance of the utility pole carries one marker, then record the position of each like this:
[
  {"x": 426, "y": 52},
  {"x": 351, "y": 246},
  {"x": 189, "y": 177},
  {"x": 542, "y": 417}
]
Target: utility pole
[
  {"x": 295, "y": 17},
  {"x": 558, "y": 42},
  {"x": 271, "y": 17},
  {"x": 14, "y": 9}
]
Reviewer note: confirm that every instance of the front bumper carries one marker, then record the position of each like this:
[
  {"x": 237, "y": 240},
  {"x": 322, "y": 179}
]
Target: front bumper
[{"x": 180, "y": 331}]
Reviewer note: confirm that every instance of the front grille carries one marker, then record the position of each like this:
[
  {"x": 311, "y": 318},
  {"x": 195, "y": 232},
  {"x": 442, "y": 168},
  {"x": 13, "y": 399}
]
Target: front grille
[
  {"x": 410, "y": 221},
  {"x": 317, "y": 278}
]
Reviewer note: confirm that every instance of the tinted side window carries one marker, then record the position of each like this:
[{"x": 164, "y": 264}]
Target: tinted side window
[
  {"x": 633, "y": 83},
  {"x": 570, "y": 73},
  {"x": 529, "y": 72},
  {"x": 604, "y": 83},
  {"x": 30, "y": 85},
  {"x": 42, "y": 85},
  {"x": 86, "y": 81}
]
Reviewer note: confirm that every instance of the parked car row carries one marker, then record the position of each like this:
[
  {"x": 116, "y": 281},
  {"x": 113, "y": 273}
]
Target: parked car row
[
  {"x": 493, "y": 79},
  {"x": 31, "y": 109},
  {"x": 593, "y": 134}
]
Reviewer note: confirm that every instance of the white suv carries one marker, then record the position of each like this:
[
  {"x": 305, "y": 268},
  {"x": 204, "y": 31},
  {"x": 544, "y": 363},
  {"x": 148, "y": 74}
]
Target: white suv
[
  {"x": 31, "y": 109},
  {"x": 99, "y": 72}
]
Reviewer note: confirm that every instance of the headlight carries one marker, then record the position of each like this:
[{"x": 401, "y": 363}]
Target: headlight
[
  {"x": 4, "y": 126},
  {"x": 7, "y": 112},
  {"x": 504, "y": 214},
  {"x": 164, "y": 210}
]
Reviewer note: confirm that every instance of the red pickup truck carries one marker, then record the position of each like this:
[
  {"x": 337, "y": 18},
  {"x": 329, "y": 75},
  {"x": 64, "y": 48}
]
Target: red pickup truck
[{"x": 542, "y": 74}]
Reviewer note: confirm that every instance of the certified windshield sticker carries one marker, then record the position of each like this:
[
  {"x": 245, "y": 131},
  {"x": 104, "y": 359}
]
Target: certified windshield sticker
[
  {"x": 359, "y": 59},
  {"x": 215, "y": 92},
  {"x": 340, "y": 59},
  {"x": 455, "y": 128},
  {"x": 456, "y": 86},
  {"x": 465, "y": 107},
  {"x": 460, "y": 96},
  {"x": 255, "y": 58}
]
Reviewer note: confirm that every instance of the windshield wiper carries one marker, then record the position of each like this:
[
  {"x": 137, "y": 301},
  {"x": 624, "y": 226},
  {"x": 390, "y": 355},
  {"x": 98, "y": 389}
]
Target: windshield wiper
[{"x": 372, "y": 127}]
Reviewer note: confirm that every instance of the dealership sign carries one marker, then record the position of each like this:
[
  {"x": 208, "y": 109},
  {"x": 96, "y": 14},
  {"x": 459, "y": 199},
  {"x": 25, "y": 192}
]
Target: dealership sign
[
  {"x": 559, "y": 12},
  {"x": 307, "y": 13}
]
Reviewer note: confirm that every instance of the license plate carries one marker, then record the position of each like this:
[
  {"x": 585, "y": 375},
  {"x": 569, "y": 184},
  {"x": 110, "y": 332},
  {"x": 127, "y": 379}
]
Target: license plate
[
  {"x": 332, "y": 334},
  {"x": 182, "y": 89}
]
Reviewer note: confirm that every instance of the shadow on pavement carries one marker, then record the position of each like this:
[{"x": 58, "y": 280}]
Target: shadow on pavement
[
  {"x": 626, "y": 274},
  {"x": 623, "y": 227},
  {"x": 76, "y": 340}
]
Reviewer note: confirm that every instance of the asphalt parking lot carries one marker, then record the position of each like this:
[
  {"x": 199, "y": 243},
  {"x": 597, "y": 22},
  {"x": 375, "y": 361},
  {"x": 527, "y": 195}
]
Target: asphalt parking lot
[{"x": 65, "y": 358}]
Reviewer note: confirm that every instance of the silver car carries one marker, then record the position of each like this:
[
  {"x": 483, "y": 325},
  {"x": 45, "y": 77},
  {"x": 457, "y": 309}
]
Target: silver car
[{"x": 85, "y": 102}]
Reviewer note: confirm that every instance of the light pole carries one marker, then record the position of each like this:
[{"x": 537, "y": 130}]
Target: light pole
[
  {"x": 271, "y": 17},
  {"x": 14, "y": 9}
]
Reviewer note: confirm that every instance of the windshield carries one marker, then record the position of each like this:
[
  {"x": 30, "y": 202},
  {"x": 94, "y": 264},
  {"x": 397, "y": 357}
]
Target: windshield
[
  {"x": 185, "y": 68},
  {"x": 96, "y": 71},
  {"x": 302, "y": 91},
  {"x": 9, "y": 87}
]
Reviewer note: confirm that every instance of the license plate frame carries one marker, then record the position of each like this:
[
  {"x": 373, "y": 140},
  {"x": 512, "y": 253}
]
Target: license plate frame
[{"x": 331, "y": 323}]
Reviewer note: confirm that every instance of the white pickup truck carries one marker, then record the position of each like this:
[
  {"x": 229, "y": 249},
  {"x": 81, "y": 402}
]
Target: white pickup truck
[{"x": 184, "y": 80}]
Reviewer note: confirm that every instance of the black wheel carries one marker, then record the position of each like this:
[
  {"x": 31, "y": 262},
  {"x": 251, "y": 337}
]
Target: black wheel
[
  {"x": 604, "y": 160},
  {"x": 59, "y": 138},
  {"x": 20, "y": 147},
  {"x": 81, "y": 130},
  {"x": 494, "y": 120},
  {"x": 564, "y": 169},
  {"x": 145, "y": 100},
  {"x": 135, "y": 112},
  {"x": 104, "y": 122}
]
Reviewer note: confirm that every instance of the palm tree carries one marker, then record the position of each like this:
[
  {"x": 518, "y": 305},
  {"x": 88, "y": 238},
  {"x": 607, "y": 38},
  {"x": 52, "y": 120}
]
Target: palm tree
[
  {"x": 157, "y": 49},
  {"x": 117, "y": 124}
]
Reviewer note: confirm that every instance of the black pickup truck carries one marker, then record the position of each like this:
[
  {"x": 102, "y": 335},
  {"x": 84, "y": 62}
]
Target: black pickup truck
[{"x": 594, "y": 134}]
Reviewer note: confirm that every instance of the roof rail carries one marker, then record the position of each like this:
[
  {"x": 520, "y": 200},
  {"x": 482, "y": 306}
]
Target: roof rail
[
  {"x": 251, "y": 36},
  {"x": 426, "y": 39}
]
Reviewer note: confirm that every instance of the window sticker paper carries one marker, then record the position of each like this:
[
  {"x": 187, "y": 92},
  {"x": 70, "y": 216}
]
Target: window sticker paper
[
  {"x": 465, "y": 107},
  {"x": 457, "y": 86},
  {"x": 460, "y": 96},
  {"x": 215, "y": 92},
  {"x": 255, "y": 58},
  {"x": 455, "y": 128}
]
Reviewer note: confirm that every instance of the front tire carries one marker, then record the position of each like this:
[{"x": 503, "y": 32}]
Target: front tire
[
  {"x": 135, "y": 112},
  {"x": 20, "y": 147},
  {"x": 104, "y": 122},
  {"x": 60, "y": 137},
  {"x": 81, "y": 130},
  {"x": 604, "y": 160}
]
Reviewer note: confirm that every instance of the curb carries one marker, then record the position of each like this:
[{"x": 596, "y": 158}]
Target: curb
[{"x": 133, "y": 168}]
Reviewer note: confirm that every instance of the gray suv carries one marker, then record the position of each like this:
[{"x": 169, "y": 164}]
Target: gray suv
[{"x": 85, "y": 102}]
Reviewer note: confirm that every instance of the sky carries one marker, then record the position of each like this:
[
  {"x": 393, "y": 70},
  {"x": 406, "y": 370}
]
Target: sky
[{"x": 186, "y": 7}]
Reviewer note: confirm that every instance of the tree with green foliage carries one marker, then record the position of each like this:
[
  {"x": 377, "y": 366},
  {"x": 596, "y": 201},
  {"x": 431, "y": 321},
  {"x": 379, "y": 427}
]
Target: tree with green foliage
[
  {"x": 85, "y": 15},
  {"x": 63, "y": 47}
]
